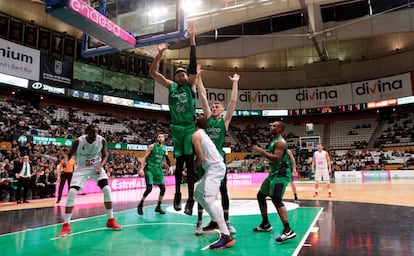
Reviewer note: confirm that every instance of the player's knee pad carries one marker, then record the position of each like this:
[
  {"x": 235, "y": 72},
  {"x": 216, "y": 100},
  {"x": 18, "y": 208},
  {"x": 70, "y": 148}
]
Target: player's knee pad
[
  {"x": 277, "y": 202},
  {"x": 162, "y": 190},
  {"x": 148, "y": 190},
  {"x": 107, "y": 194},
  {"x": 261, "y": 198},
  {"x": 71, "y": 196},
  {"x": 102, "y": 183}
]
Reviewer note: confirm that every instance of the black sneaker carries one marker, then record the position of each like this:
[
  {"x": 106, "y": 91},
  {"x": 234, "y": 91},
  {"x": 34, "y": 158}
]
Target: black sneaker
[
  {"x": 286, "y": 235},
  {"x": 177, "y": 202},
  {"x": 263, "y": 228},
  {"x": 189, "y": 207},
  {"x": 225, "y": 241},
  {"x": 159, "y": 210},
  {"x": 211, "y": 226},
  {"x": 139, "y": 210}
]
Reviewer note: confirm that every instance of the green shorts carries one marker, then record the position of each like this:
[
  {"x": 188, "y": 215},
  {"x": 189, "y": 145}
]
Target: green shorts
[
  {"x": 181, "y": 137},
  {"x": 268, "y": 185},
  {"x": 155, "y": 175}
]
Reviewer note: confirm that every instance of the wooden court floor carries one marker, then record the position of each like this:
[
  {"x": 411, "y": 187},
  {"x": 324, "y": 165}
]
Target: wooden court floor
[{"x": 360, "y": 219}]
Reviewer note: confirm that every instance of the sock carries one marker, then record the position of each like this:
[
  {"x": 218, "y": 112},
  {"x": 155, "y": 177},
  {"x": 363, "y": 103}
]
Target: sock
[
  {"x": 296, "y": 197},
  {"x": 159, "y": 204},
  {"x": 68, "y": 217},
  {"x": 110, "y": 213},
  {"x": 286, "y": 226}
]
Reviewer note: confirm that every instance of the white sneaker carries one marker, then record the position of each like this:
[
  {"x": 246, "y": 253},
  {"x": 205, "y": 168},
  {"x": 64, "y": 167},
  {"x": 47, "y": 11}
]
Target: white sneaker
[
  {"x": 198, "y": 229},
  {"x": 231, "y": 228},
  {"x": 286, "y": 236}
]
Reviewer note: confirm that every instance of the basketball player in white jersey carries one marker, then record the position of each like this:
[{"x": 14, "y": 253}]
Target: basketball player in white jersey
[
  {"x": 208, "y": 187},
  {"x": 91, "y": 155},
  {"x": 321, "y": 165}
]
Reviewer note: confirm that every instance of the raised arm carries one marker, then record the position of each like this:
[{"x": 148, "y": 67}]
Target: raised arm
[
  {"x": 155, "y": 65},
  {"x": 202, "y": 93},
  {"x": 192, "y": 68},
  {"x": 233, "y": 99}
]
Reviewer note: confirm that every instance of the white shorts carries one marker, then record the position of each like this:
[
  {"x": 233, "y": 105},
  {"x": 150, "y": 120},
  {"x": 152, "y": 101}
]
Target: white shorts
[
  {"x": 81, "y": 174},
  {"x": 209, "y": 184},
  {"x": 322, "y": 173}
]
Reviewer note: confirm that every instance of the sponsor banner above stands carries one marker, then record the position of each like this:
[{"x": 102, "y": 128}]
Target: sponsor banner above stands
[
  {"x": 40, "y": 87},
  {"x": 20, "y": 61},
  {"x": 118, "y": 101},
  {"x": 13, "y": 80},
  {"x": 392, "y": 87},
  {"x": 319, "y": 97},
  {"x": 87, "y": 73},
  {"x": 85, "y": 95},
  {"x": 40, "y": 140},
  {"x": 385, "y": 88},
  {"x": 54, "y": 71}
]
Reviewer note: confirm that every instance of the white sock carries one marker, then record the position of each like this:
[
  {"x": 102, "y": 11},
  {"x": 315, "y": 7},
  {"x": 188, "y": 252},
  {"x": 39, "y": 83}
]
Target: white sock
[
  {"x": 68, "y": 217},
  {"x": 110, "y": 213}
]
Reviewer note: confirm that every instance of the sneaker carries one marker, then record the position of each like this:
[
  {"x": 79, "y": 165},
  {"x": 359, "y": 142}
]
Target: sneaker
[
  {"x": 111, "y": 223},
  {"x": 211, "y": 226},
  {"x": 286, "y": 236},
  {"x": 189, "y": 207},
  {"x": 177, "y": 202},
  {"x": 329, "y": 194},
  {"x": 263, "y": 228},
  {"x": 316, "y": 194},
  {"x": 225, "y": 241},
  {"x": 65, "y": 230},
  {"x": 231, "y": 228},
  {"x": 159, "y": 210},
  {"x": 139, "y": 210},
  {"x": 198, "y": 229}
]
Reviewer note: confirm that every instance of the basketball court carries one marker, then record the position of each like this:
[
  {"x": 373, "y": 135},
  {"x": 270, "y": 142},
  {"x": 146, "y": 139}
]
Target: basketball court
[
  {"x": 155, "y": 234},
  {"x": 360, "y": 219}
]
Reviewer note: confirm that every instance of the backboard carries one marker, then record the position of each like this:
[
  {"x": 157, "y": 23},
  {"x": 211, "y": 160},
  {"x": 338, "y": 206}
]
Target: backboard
[{"x": 150, "y": 21}]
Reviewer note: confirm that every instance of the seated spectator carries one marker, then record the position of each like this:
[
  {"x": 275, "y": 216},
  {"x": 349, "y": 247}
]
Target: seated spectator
[
  {"x": 38, "y": 185},
  {"x": 5, "y": 186},
  {"x": 50, "y": 182}
]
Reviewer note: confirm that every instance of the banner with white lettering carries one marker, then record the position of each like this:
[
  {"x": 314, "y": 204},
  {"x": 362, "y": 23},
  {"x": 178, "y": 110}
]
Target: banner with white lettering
[
  {"x": 41, "y": 87},
  {"x": 55, "y": 72},
  {"x": 20, "y": 61},
  {"x": 385, "y": 88}
]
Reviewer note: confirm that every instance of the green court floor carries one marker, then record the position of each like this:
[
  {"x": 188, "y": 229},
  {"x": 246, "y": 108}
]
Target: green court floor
[{"x": 153, "y": 235}]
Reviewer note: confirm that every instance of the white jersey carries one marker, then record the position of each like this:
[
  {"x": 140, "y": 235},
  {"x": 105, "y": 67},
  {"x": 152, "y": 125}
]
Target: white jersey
[
  {"x": 320, "y": 160},
  {"x": 88, "y": 155},
  {"x": 211, "y": 154}
]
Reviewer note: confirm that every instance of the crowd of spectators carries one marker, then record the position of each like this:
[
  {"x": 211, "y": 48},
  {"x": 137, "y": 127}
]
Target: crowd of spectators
[{"x": 20, "y": 117}]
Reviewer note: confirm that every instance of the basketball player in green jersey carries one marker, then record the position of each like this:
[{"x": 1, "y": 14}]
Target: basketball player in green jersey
[
  {"x": 181, "y": 101},
  {"x": 154, "y": 174},
  {"x": 217, "y": 126},
  {"x": 274, "y": 185}
]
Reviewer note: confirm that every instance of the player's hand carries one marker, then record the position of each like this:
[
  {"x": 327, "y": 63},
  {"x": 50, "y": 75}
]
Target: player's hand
[
  {"x": 191, "y": 30},
  {"x": 234, "y": 78},
  {"x": 162, "y": 47},
  {"x": 257, "y": 149},
  {"x": 141, "y": 173}
]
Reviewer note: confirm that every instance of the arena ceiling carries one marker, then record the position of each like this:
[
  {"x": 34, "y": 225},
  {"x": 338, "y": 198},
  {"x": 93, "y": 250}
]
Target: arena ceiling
[{"x": 273, "y": 35}]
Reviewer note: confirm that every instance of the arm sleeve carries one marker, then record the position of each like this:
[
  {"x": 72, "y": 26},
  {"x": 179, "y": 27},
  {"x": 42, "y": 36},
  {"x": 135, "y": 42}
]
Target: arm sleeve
[{"x": 192, "y": 68}]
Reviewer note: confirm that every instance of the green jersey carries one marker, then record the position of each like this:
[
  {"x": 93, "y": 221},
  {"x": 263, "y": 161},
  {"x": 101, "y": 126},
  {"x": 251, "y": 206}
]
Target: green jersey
[
  {"x": 181, "y": 100},
  {"x": 216, "y": 130},
  {"x": 283, "y": 167},
  {"x": 156, "y": 157}
]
